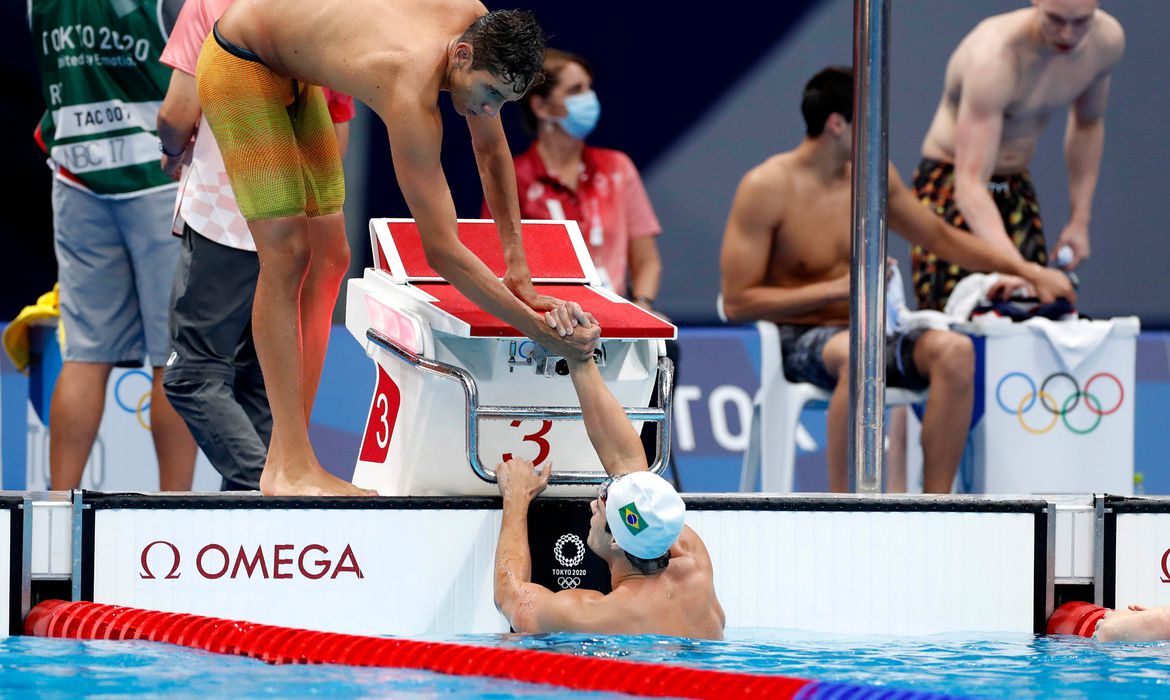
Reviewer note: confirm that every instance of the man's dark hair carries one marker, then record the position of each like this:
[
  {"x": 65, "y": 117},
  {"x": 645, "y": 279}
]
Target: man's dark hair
[
  {"x": 555, "y": 61},
  {"x": 647, "y": 567},
  {"x": 509, "y": 44},
  {"x": 829, "y": 92}
]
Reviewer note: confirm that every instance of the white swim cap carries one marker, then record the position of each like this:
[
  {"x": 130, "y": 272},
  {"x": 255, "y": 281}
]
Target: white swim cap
[{"x": 645, "y": 513}]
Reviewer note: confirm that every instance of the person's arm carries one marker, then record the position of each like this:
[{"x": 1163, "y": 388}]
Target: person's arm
[
  {"x": 613, "y": 436},
  {"x": 919, "y": 225},
  {"x": 756, "y": 213},
  {"x": 1137, "y": 624},
  {"x": 645, "y": 271},
  {"x": 497, "y": 173},
  {"x": 342, "y": 131},
  {"x": 1084, "y": 142},
  {"x": 987, "y": 89},
  {"x": 416, "y": 131},
  {"x": 177, "y": 119},
  {"x": 528, "y": 606}
]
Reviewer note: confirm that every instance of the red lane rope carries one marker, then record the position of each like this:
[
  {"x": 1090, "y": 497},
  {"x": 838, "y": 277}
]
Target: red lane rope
[
  {"x": 282, "y": 645},
  {"x": 1077, "y": 617}
]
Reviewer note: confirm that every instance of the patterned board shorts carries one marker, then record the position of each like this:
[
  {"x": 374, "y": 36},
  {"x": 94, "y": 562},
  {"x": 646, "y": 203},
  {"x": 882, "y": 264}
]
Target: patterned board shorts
[
  {"x": 276, "y": 137},
  {"x": 1014, "y": 195}
]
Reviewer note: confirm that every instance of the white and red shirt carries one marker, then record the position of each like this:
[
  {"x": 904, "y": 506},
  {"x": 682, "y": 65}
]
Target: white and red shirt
[
  {"x": 610, "y": 205},
  {"x": 206, "y": 201}
]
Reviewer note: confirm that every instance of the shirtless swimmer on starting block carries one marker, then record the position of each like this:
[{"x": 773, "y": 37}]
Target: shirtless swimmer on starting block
[{"x": 256, "y": 79}]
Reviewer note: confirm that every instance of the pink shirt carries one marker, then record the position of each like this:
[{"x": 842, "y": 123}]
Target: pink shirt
[
  {"x": 206, "y": 201},
  {"x": 610, "y": 205}
]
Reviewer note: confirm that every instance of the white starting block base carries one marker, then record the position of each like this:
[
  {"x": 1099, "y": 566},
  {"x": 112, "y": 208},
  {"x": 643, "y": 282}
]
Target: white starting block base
[{"x": 458, "y": 391}]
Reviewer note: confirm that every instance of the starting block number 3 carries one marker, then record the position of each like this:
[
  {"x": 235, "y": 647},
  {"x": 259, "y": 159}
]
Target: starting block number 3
[
  {"x": 537, "y": 437},
  {"x": 383, "y": 416}
]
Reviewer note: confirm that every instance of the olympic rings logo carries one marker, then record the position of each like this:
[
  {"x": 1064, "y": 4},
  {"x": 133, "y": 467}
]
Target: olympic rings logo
[
  {"x": 578, "y": 556},
  {"x": 1060, "y": 395},
  {"x": 568, "y": 581},
  {"x": 140, "y": 407}
]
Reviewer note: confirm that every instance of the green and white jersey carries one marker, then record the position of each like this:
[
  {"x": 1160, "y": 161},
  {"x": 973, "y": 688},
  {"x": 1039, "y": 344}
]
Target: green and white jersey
[{"x": 103, "y": 86}]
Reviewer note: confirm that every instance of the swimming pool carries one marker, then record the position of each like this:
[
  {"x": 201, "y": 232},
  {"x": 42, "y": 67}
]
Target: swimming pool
[{"x": 1016, "y": 666}]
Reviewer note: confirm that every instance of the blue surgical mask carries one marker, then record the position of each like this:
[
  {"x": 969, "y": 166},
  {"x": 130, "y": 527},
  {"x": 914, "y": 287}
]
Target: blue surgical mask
[{"x": 584, "y": 111}]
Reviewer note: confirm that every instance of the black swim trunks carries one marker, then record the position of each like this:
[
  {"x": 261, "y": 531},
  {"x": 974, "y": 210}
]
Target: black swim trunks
[
  {"x": 802, "y": 350},
  {"x": 1014, "y": 195}
]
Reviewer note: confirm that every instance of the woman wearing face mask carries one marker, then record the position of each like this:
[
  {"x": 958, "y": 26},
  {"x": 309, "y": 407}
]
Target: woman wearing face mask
[{"x": 560, "y": 177}]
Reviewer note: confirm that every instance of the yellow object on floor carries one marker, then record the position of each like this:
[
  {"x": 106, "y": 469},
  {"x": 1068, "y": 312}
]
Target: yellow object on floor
[{"x": 45, "y": 312}]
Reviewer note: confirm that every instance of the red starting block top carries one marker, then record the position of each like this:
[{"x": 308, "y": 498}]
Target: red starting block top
[
  {"x": 618, "y": 319},
  {"x": 557, "y": 259},
  {"x": 555, "y": 250}
]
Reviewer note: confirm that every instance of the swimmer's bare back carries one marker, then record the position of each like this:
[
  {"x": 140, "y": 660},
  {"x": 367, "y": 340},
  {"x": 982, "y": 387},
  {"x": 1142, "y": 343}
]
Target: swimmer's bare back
[{"x": 363, "y": 48}]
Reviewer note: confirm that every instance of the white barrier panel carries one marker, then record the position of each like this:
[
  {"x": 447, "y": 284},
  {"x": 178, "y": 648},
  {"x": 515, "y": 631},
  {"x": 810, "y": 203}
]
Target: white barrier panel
[
  {"x": 879, "y": 566},
  {"x": 11, "y": 546},
  {"x": 359, "y": 571},
  {"x": 423, "y": 566},
  {"x": 1137, "y": 552},
  {"x": 1047, "y": 428},
  {"x": 123, "y": 453}
]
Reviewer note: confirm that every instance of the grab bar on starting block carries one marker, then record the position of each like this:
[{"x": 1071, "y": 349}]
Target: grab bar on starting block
[{"x": 475, "y": 412}]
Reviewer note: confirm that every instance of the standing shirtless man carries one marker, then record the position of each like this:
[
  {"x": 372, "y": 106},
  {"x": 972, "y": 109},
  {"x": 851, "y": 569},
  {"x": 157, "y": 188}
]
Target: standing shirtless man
[
  {"x": 1003, "y": 82},
  {"x": 256, "y": 77},
  {"x": 786, "y": 259}
]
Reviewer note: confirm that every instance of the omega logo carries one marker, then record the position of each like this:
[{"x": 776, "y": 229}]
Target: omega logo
[{"x": 214, "y": 561}]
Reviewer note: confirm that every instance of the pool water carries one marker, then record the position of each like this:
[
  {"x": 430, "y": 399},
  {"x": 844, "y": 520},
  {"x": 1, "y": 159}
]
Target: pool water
[{"x": 1020, "y": 666}]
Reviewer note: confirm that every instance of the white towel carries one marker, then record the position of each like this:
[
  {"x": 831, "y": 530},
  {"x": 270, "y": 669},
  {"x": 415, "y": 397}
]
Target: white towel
[
  {"x": 899, "y": 317},
  {"x": 1071, "y": 341}
]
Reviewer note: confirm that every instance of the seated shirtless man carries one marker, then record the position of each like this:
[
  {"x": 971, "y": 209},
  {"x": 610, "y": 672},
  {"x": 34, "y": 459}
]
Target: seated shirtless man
[
  {"x": 256, "y": 79},
  {"x": 786, "y": 259},
  {"x": 660, "y": 569}
]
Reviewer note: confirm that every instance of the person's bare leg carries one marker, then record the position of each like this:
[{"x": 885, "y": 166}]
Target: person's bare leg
[
  {"x": 896, "y": 454},
  {"x": 948, "y": 359},
  {"x": 75, "y": 414},
  {"x": 172, "y": 440},
  {"x": 292, "y": 467},
  {"x": 329, "y": 261},
  {"x": 836, "y": 360}
]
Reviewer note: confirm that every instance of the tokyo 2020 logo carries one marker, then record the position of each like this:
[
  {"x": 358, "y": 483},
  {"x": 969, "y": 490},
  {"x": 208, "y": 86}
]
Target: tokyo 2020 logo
[{"x": 1059, "y": 398}]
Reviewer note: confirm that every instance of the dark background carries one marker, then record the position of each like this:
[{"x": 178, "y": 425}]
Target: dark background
[{"x": 697, "y": 95}]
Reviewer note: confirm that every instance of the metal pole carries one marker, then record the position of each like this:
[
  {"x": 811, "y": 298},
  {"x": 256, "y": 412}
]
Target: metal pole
[{"x": 870, "y": 187}]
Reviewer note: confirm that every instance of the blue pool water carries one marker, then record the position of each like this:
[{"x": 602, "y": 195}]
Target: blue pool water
[{"x": 1019, "y": 666}]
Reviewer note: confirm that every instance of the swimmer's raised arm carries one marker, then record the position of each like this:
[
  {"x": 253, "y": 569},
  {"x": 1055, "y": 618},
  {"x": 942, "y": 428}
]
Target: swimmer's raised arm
[{"x": 613, "y": 436}]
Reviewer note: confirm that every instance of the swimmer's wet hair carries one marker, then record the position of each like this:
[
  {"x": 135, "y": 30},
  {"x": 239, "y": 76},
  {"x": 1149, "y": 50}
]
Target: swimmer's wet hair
[
  {"x": 555, "y": 61},
  {"x": 829, "y": 92},
  {"x": 509, "y": 44}
]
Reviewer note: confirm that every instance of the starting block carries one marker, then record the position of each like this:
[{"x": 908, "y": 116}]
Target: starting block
[{"x": 458, "y": 391}]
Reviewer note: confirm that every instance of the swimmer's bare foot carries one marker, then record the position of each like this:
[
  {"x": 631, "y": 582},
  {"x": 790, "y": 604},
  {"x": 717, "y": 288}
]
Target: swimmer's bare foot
[{"x": 306, "y": 481}]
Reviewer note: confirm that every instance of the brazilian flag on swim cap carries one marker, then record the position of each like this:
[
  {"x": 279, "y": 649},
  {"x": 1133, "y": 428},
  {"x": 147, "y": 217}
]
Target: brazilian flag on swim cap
[{"x": 632, "y": 518}]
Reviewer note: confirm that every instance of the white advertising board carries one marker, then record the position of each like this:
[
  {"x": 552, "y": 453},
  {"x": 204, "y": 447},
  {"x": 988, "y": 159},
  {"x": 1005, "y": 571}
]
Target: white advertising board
[
  {"x": 1140, "y": 553},
  {"x": 357, "y": 571}
]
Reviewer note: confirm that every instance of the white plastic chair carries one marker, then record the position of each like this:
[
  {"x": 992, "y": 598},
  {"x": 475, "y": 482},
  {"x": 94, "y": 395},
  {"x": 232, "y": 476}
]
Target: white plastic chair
[{"x": 770, "y": 457}]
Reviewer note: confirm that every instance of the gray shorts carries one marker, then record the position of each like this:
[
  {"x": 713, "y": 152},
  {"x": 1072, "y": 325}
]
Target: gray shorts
[
  {"x": 116, "y": 263},
  {"x": 803, "y": 356}
]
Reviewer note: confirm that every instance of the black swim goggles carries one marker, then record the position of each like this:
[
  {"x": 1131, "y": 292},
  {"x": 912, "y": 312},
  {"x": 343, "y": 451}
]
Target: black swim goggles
[{"x": 603, "y": 487}]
